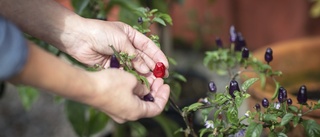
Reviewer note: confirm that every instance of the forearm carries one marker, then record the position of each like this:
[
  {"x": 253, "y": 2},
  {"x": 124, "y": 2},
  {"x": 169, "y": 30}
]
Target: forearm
[
  {"x": 44, "y": 19},
  {"x": 45, "y": 71}
]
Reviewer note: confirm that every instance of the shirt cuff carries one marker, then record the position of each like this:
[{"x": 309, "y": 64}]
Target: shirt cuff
[{"x": 13, "y": 50}]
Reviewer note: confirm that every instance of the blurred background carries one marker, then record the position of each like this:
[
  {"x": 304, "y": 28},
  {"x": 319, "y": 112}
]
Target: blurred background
[{"x": 196, "y": 24}]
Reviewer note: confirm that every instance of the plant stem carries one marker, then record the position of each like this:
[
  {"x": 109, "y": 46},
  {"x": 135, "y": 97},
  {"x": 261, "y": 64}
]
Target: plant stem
[
  {"x": 186, "y": 119},
  {"x": 174, "y": 105},
  {"x": 190, "y": 130}
]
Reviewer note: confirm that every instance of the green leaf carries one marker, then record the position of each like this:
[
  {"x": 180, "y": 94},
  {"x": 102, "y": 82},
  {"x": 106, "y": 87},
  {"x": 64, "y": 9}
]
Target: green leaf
[
  {"x": 144, "y": 81},
  {"x": 168, "y": 125},
  {"x": 296, "y": 120},
  {"x": 286, "y": 119},
  {"x": 139, "y": 11},
  {"x": 269, "y": 118},
  {"x": 76, "y": 115},
  {"x": 232, "y": 115},
  {"x": 194, "y": 106},
  {"x": 165, "y": 17},
  {"x": 28, "y": 95},
  {"x": 179, "y": 77},
  {"x": 137, "y": 129},
  {"x": 204, "y": 131},
  {"x": 97, "y": 121},
  {"x": 254, "y": 130},
  {"x": 180, "y": 130},
  {"x": 282, "y": 135},
  {"x": 221, "y": 99},
  {"x": 159, "y": 20},
  {"x": 205, "y": 112},
  {"x": 275, "y": 94},
  {"x": 172, "y": 61},
  {"x": 80, "y": 5},
  {"x": 153, "y": 11},
  {"x": 238, "y": 99},
  {"x": 293, "y": 108},
  {"x": 216, "y": 113},
  {"x": 263, "y": 80},
  {"x": 248, "y": 83},
  {"x": 272, "y": 134},
  {"x": 246, "y": 95},
  {"x": 316, "y": 105},
  {"x": 311, "y": 127}
]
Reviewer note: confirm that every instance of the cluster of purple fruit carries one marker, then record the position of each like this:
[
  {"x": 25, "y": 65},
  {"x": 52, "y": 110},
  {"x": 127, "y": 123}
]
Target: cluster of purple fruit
[
  {"x": 282, "y": 97},
  {"x": 240, "y": 45}
]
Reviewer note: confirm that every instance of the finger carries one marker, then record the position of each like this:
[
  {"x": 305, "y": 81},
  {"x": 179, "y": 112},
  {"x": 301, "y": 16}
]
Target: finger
[
  {"x": 141, "y": 90},
  {"x": 140, "y": 64},
  {"x": 144, "y": 44},
  {"x": 138, "y": 61},
  {"x": 151, "y": 64},
  {"x": 161, "y": 94},
  {"x": 118, "y": 120}
]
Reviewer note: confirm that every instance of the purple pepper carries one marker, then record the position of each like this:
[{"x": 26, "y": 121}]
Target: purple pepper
[
  {"x": 148, "y": 97},
  {"x": 265, "y": 103},
  {"x": 219, "y": 42},
  {"x": 245, "y": 53},
  {"x": 282, "y": 95},
  {"x": 257, "y": 107},
  {"x": 140, "y": 20},
  {"x": 268, "y": 57},
  {"x": 233, "y": 34},
  {"x": 289, "y": 101},
  {"x": 212, "y": 87},
  {"x": 302, "y": 95},
  {"x": 240, "y": 42},
  {"x": 114, "y": 63},
  {"x": 234, "y": 86}
]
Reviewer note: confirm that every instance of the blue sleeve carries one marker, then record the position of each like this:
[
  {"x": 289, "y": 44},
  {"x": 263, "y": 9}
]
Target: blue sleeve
[{"x": 13, "y": 50}]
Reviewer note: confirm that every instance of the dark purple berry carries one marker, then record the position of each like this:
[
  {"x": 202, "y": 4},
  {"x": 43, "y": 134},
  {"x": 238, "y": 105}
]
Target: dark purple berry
[
  {"x": 234, "y": 86},
  {"x": 302, "y": 95},
  {"x": 245, "y": 53},
  {"x": 102, "y": 18},
  {"x": 282, "y": 95},
  {"x": 219, "y": 42},
  {"x": 240, "y": 42},
  {"x": 140, "y": 20},
  {"x": 212, "y": 87},
  {"x": 268, "y": 57},
  {"x": 233, "y": 34},
  {"x": 265, "y": 103},
  {"x": 114, "y": 63},
  {"x": 148, "y": 97},
  {"x": 257, "y": 107},
  {"x": 289, "y": 101}
]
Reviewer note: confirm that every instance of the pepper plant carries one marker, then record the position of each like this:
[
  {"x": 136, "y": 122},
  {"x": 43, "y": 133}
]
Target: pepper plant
[{"x": 220, "y": 107}]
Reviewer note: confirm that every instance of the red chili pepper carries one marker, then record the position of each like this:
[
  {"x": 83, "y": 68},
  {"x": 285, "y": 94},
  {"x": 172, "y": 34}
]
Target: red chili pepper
[{"x": 159, "y": 70}]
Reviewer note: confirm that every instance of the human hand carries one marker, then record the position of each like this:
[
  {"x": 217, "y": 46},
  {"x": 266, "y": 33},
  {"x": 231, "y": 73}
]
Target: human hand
[
  {"x": 93, "y": 45},
  {"x": 119, "y": 95}
]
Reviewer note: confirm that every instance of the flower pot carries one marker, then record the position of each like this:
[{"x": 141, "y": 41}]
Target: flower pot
[{"x": 299, "y": 62}]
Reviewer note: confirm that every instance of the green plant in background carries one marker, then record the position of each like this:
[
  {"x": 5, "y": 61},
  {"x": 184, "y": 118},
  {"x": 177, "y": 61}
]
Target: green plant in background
[
  {"x": 315, "y": 9},
  {"x": 220, "y": 110}
]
